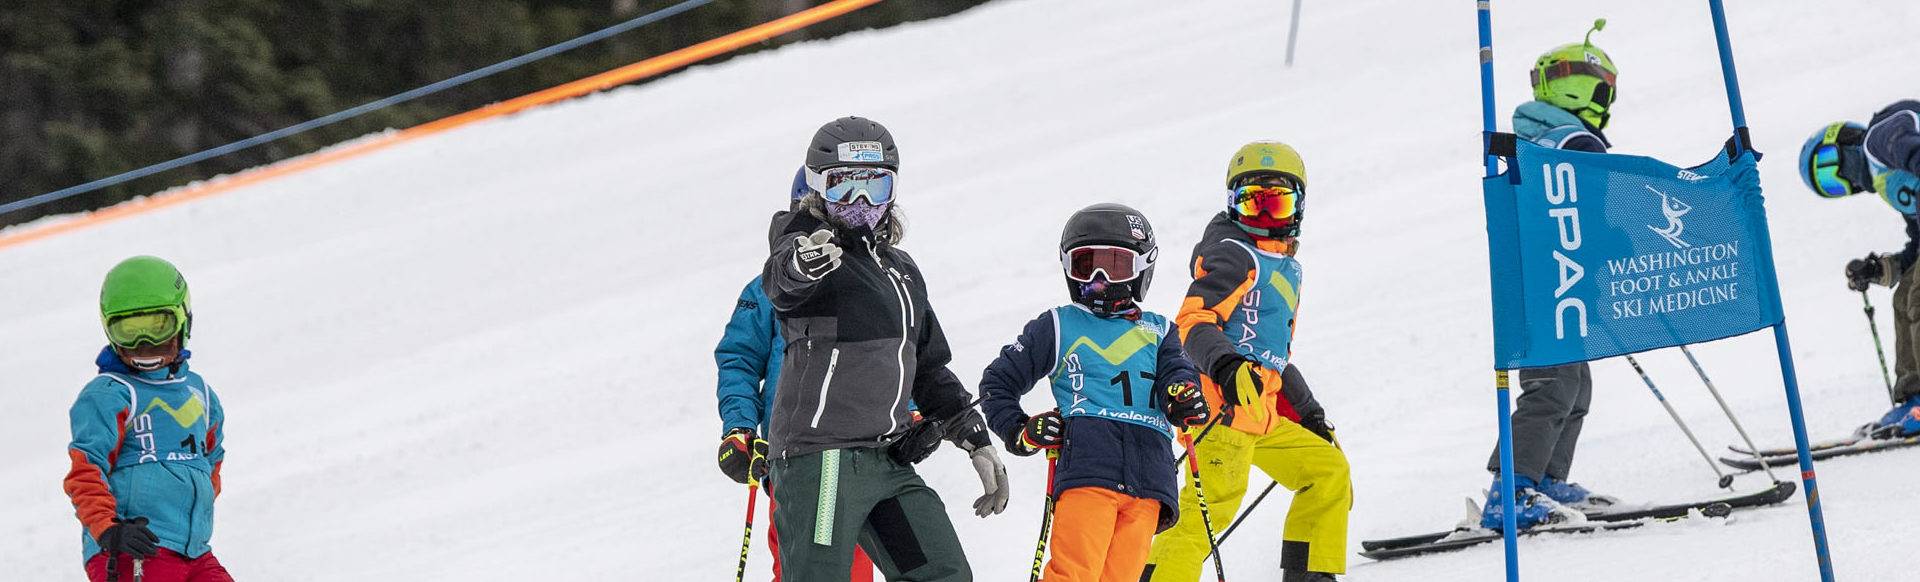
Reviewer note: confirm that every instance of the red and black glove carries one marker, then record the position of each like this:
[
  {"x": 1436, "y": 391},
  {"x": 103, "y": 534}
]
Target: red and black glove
[
  {"x": 1186, "y": 405},
  {"x": 743, "y": 456},
  {"x": 1040, "y": 432}
]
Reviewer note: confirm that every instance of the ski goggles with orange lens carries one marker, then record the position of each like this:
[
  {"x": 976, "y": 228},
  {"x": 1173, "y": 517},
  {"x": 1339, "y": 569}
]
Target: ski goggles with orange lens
[
  {"x": 145, "y": 327},
  {"x": 844, "y": 185},
  {"x": 1254, "y": 200},
  {"x": 1118, "y": 264}
]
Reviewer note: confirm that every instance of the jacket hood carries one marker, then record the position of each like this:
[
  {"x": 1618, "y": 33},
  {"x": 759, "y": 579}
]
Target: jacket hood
[
  {"x": 1535, "y": 118},
  {"x": 109, "y": 363}
]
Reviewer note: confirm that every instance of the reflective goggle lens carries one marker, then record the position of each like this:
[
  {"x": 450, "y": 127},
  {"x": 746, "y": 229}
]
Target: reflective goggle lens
[
  {"x": 154, "y": 327},
  {"x": 843, "y": 185},
  {"x": 1826, "y": 171},
  {"x": 1119, "y": 264},
  {"x": 1279, "y": 202}
]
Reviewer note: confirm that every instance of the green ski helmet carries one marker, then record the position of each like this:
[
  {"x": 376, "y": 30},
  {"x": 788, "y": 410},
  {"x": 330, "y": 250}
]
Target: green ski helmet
[
  {"x": 1577, "y": 77},
  {"x": 145, "y": 301}
]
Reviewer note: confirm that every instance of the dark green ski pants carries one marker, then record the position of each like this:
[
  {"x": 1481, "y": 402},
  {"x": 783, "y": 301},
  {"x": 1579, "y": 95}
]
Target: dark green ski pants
[{"x": 827, "y": 501}]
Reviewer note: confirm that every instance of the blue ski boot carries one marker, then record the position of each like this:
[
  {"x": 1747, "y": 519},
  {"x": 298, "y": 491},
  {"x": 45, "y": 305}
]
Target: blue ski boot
[
  {"x": 1575, "y": 496},
  {"x": 1900, "y": 422},
  {"x": 1532, "y": 508}
]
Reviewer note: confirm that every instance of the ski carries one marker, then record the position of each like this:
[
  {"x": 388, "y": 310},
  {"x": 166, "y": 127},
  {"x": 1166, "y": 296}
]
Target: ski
[
  {"x": 1814, "y": 446},
  {"x": 1466, "y": 538},
  {"x": 1791, "y": 457},
  {"x": 1716, "y": 507}
]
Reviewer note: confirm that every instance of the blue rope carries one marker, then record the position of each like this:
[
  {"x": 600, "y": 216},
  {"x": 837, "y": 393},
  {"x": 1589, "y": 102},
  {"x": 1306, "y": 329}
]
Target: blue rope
[{"x": 344, "y": 115}]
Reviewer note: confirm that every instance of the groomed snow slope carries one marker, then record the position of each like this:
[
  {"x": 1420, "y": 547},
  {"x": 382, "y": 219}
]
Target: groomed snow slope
[{"x": 486, "y": 355}]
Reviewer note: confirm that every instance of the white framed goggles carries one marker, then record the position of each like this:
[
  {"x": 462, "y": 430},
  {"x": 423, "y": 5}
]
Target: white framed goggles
[
  {"x": 845, "y": 184},
  {"x": 1118, "y": 264}
]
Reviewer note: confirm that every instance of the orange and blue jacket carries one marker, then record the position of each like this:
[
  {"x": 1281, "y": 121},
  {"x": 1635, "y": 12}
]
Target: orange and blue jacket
[
  {"x": 146, "y": 444},
  {"x": 1242, "y": 305}
]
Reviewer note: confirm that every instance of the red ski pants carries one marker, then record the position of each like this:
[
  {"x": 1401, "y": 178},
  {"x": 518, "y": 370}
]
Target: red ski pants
[{"x": 163, "y": 567}]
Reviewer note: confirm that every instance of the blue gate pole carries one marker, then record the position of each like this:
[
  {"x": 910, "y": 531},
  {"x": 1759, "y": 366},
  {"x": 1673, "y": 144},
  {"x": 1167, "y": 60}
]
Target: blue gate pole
[
  {"x": 1787, "y": 375},
  {"x": 1738, "y": 110},
  {"x": 1807, "y": 481},
  {"x": 1508, "y": 523}
]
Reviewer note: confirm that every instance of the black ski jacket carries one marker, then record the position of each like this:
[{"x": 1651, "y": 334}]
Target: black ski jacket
[{"x": 861, "y": 343}]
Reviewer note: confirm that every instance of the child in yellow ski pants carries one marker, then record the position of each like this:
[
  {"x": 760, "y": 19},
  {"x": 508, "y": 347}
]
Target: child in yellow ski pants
[{"x": 1311, "y": 467}]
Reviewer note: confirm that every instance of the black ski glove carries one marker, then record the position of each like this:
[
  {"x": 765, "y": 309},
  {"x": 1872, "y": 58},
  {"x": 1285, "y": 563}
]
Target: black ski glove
[
  {"x": 1318, "y": 425},
  {"x": 1186, "y": 405},
  {"x": 1875, "y": 268},
  {"x": 743, "y": 456},
  {"x": 131, "y": 537},
  {"x": 1037, "y": 433},
  {"x": 1239, "y": 380},
  {"x": 914, "y": 444}
]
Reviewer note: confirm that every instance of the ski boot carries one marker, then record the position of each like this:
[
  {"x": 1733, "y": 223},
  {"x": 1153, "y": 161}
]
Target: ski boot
[
  {"x": 1533, "y": 508},
  {"x": 1900, "y": 422},
  {"x": 1576, "y": 497},
  {"x": 1295, "y": 576}
]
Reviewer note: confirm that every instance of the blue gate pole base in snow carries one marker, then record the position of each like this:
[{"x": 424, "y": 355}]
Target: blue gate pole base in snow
[
  {"x": 1508, "y": 521},
  {"x": 1807, "y": 481}
]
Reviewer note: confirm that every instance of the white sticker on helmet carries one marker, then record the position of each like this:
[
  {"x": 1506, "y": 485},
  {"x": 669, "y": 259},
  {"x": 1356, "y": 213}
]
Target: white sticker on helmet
[{"x": 862, "y": 151}]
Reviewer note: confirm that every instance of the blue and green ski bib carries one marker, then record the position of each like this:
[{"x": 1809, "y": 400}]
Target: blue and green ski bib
[
  {"x": 1262, "y": 325},
  {"x": 1106, "y": 366}
]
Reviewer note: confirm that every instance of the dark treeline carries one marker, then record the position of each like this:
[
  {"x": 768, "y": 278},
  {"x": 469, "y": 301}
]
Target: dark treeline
[{"x": 92, "y": 88}]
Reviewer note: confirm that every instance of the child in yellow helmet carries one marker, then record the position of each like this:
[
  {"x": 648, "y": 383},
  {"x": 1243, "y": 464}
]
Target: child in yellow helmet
[{"x": 1237, "y": 324}]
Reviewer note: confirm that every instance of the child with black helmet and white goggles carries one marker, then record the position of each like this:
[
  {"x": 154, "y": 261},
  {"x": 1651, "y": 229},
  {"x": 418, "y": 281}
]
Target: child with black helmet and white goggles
[{"x": 1122, "y": 386}]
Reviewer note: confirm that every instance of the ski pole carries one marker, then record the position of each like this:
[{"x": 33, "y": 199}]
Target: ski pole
[
  {"x": 1726, "y": 481},
  {"x": 746, "y": 539},
  {"x": 1203, "y": 432},
  {"x": 113, "y": 566},
  {"x": 1246, "y": 512},
  {"x": 1206, "y": 520},
  {"x": 1730, "y": 418},
  {"x": 1046, "y": 518},
  {"x": 139, "y": 571},
  {"x": 1872, "y": 326}
]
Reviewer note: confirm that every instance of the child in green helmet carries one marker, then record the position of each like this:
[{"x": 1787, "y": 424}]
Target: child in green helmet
[
  {"x": 147, "y": 441},
  {"x": 1573, "y": 91}
]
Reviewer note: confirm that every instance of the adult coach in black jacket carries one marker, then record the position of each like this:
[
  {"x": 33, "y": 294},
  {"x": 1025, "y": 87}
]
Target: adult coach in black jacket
[{"x": 861, "y": 342}]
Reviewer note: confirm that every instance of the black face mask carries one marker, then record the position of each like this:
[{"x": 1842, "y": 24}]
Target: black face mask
[{"x": 1104, "y": 298}]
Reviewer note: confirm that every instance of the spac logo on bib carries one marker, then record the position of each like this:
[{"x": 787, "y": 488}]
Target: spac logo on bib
[{"x": 862, "y": 151}]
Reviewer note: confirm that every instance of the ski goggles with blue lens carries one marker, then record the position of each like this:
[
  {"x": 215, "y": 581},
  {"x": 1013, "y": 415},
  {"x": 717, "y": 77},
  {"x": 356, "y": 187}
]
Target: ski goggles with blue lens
[
  {"x": 1826, "y": 171},
  {"x": 845, "y": 184}
]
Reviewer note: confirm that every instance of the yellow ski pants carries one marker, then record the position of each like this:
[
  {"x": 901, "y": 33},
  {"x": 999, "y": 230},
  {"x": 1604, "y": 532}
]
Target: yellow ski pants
[{"x": 1315, "y": 470}]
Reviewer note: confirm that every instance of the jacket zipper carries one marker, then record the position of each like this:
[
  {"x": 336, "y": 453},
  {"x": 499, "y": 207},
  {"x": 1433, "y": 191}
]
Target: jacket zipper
[
  {"x": 833, "y": 360},
  {"x": 906, "y": 328}
]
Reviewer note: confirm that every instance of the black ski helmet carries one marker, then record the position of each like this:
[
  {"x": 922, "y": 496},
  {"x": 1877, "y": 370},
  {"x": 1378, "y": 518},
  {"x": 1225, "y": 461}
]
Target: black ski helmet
[
  {"x": 1115, "y": 225},
  {"x": 852, "y": 141}
]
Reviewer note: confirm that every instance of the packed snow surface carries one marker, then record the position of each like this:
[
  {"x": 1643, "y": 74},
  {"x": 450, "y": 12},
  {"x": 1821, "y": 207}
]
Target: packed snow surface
[{"x": 485, "y": 355}]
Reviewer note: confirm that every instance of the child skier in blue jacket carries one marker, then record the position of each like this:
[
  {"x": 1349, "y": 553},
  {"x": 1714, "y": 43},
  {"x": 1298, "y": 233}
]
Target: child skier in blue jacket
[
  {"x": 748, "y": 358},
  {"x": 1122, "y": 386},
  {"x": 1573, "y": 88},
  {"x": 1846, "y": 158},
  {"x": 147, "y": 440}
]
